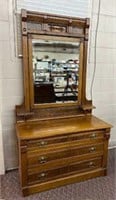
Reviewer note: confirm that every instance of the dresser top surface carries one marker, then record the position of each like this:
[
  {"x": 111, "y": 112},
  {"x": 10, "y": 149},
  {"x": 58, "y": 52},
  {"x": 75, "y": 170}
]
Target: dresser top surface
[{"x": 38, "y": 129}]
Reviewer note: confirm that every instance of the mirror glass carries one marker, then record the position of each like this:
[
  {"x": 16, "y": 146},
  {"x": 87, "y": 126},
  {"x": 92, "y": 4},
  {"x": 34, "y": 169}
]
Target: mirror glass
[{"x": 55, "y": 71}]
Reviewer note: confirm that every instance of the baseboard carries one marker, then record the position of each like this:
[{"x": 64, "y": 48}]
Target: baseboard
[
  {"x": 112, "y": 144},
  {"x": 11, "y": 169}
]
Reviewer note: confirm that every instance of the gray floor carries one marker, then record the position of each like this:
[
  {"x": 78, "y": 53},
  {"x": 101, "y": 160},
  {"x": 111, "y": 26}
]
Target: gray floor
[{"x": 102, "y": 188}]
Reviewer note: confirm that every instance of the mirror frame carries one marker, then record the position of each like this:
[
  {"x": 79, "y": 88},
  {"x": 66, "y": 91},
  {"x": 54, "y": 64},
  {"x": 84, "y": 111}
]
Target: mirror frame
[
  {"x": 36, "y": 24},
  {"x": 54, "y": 38}
]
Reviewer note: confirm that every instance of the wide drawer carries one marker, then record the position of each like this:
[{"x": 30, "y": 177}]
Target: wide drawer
[
  {"x": 40, "y": 158},
  {"x": 65, "y": 171},
  {"x": 65, "y": 140}
]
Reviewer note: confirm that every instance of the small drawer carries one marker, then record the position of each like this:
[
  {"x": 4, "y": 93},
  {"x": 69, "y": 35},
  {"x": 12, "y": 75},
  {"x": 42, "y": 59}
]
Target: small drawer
[
  {"x": 89, "y": 149},
  {"x": 47, "y": 175},
  {"x": 92, "y": 135},
  {"x": 86, "y": 165},
  {"x": 39, "y": 158},
  {"x": 68, "y": 170},
  {"x": 46, "y": 142}
]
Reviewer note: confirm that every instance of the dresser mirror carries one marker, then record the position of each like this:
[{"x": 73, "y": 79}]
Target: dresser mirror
[{"x": 54, "y": 66}]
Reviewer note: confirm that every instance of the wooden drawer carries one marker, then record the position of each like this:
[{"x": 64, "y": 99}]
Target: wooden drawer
[
  {"x": 87, "y": 135},
  {"x": 66, "y": 140},
  {"x": 45, "y": 142},
  {"x": 40, "y": 158},
  {"x": 44, "y": 157},
  {"x": 68, "y": 170},
  {"x": 89, "y": 149},
  {"x": 86, "y": 165}
]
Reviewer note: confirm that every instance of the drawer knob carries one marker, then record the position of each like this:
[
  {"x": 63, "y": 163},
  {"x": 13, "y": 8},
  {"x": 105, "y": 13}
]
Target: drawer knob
[
  {"x": 91, "y": 164},
  {"x": 42, "y": 160},
  {"x": 42, "y": 175},
  {"x": 42, "y": 143},
  {"x": 93, "y": 135},
  {"x": 92, "y": 149}
]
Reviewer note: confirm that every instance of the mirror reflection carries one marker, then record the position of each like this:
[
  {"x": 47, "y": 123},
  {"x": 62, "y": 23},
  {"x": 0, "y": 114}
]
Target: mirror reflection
[{"x": 55, "y": 71}]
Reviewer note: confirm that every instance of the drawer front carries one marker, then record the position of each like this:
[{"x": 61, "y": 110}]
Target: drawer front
[
  {"x": 46, "y": 142},
  {"x": 38, "y": 158},
  {"x": 87, "y": 135},
  {"x": 90, "y": 149},
  {"x": 54, "y": 142},
  {"x": 86, "y": 165},
  {"x": 68, "y": 170},
  {"x": 41, "y": 158}
]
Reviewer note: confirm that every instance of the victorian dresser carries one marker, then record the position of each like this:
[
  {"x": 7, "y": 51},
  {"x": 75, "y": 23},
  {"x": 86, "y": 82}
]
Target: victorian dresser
[{"x": 59, "y": 140}]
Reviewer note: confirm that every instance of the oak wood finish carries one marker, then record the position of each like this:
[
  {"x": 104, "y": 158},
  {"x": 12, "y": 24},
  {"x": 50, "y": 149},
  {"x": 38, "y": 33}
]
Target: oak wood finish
[
  {"x": 59, "y": 144},
  {"x": 40, "y": 25},
  {"x": 62, "y": 148}
]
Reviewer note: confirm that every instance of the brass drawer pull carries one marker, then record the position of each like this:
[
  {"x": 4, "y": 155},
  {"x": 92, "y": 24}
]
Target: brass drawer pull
[
  {"x": 42, "y": 143},
  {"x": 42, "y": 160},
  {"x": 42, "y": 175},
  {"x": 93, "y": 135},
  {"x": 91, "y": 164},
  {"x": 92, "y": 149}
]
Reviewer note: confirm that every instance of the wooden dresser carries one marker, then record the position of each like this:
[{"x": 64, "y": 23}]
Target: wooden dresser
[
  {"x": 61, "y": 151},
  {"x": 60, "y": 142}
]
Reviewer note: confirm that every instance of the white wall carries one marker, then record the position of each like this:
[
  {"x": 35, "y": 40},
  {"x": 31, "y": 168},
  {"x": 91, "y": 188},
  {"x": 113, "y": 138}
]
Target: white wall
[
  {"x": 3, "y": 19},
  {"x": 104, "y": 92},
  {"x": 10, "y": 84},
  {"x": 2, "y": 167},
  {"x": 11, "y": 88},
  {"x": 63, "y": 7}
]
